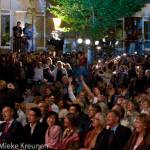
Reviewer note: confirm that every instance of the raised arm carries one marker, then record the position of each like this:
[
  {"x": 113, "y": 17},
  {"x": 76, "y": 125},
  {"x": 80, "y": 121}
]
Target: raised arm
[{"x": 85, "y": 86}]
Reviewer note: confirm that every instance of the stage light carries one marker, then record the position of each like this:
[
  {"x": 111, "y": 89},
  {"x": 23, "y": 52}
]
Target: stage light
[
  {"x": 96, "y": 43},
  {"x": 80, "y": 41},
  {"x": 87, "y": 41}
]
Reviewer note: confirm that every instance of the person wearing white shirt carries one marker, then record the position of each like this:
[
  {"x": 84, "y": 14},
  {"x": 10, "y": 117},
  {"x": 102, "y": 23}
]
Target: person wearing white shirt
[
  {"x": 21, "y": 115},
  {"x": 59, "y": 72},
  {"x": 38, "y": 72}
]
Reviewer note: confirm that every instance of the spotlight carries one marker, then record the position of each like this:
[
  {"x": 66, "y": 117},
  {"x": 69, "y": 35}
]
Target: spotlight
[
  {"x": 124, "y": 54},
  {"x": 104, "y": 40},
  {"x": 99, "y": 61},
  {"x": 97, "y": 66},
  {"x": 96, "y": 43},
  {"x": 87, "y": 41},
  {"x": 135, "y": 53},
  {"x": 98, "y": 48},
  {"x": 114, "y": 72},
  {"x": 117, "y": 42},
  {"x": 80, "y": 41},
  {"x": 118, "y": 57}
]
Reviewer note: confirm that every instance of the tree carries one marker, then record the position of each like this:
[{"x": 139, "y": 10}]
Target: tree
[{"x": 93, "y": 18}]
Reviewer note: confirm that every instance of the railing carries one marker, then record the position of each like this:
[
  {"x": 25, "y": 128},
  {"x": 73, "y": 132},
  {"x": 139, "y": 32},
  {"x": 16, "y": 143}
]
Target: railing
[{"x": 19, "y": 44}]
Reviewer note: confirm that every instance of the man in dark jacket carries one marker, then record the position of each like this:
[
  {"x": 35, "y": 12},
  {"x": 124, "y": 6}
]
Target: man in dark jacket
[
  {"x": 34, "y": 133},
  {"x": 116, "y": 136},
  {"x": 17, "y": 31},
  {"x": 11, "y": 129}
]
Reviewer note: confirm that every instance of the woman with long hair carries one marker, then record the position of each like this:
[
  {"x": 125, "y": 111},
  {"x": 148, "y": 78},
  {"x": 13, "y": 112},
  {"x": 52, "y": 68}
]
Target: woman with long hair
[
  {"x": 140, "y": 139},
  {"x": 70, "y": 139},
  {"x": 53, "y": 137},
  {"x": 98, "y": 124}
]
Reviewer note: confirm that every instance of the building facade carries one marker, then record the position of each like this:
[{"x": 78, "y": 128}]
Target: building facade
[
  {"x": 33, "y": 11},
  {"x": 134, "y": 31}
]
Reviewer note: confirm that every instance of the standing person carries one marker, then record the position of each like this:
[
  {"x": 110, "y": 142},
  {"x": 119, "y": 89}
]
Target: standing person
[
  {"x": 17, "y": 31},
  {"x": 29, "y": 34},
  {"x": 25, "y": 46},
  {"x": 50, "y": 64},
  {"x": 59, "y": 71},
  {"x": 38, "y": 72}
]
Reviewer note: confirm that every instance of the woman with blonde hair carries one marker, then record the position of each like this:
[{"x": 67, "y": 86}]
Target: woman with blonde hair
[
  {"x": 140, "y": 139},
  {"x": 98, "y": 128}
]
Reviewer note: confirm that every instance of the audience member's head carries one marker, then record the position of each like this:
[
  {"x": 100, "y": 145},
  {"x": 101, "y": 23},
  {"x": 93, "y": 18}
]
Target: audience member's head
[
  {"x": 119, "y": 109},
  {"x": 74, "y": 109},
  {"x": 93, "y": 109},
  {"x": 34, "y": 115},
  {"x": 65, "y": 80},
  {"x": 119, "y": 100},
  {"x": 18, "y": 23},
  {"x": 59, "y": 64},
  {"x": 8, "y": 113},
  {"x": 52, "y": 119},
  {"x": 142, "y": 124},
  {"x": 71, "y": 120},
  {"x": 49, "y": 61},
  {"x": 44, "y": 107},
  {"x": 3, "y": 85},
  {"x": 50, "y": 100},
  {"x": 113, "y": 118},
  {"x": 62, "y": 104},
  {"x": 47, "y": 91},
  {"x": 99, "y": 121},
  {"x": 131, "y": 106}
]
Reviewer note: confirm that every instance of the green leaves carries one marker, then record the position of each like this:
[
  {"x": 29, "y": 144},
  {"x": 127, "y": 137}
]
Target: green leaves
[{"x": 93, "y": 18}]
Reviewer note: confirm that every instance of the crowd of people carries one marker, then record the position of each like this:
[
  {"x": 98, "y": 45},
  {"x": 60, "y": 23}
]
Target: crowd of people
[{"x": 58, "y": 102}]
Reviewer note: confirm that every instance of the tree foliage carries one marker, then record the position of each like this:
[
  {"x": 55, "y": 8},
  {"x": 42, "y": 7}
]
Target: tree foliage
[{"x": 93, "y": 18}]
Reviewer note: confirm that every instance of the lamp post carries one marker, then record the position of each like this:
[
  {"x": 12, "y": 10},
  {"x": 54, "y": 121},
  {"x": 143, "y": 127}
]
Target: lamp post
[{"x": 56, "y": 33}]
